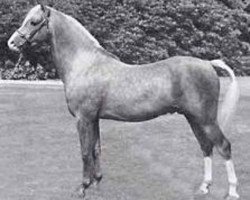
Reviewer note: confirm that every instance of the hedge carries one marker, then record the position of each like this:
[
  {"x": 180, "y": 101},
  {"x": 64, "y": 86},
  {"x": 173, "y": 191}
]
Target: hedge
[{"x": 140, "y": 31}]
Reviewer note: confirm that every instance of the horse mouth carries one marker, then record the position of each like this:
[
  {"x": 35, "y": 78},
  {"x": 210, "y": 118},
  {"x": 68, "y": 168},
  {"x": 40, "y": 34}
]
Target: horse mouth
[
  {"x": 15, "y": 42},
  {"x": 12, "y": 46}
]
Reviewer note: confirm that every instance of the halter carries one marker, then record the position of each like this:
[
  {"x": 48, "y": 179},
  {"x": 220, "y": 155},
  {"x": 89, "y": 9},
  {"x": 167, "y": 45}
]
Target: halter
[{"x": 29, "y": 36}]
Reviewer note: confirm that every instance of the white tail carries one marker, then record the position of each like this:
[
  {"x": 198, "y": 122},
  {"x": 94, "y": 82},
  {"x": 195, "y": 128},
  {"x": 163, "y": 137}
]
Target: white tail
[{"x": 231, "y": 97}]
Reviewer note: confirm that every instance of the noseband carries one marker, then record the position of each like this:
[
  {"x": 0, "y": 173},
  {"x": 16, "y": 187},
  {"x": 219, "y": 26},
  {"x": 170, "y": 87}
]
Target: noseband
[{"x": 28, "y": 37}]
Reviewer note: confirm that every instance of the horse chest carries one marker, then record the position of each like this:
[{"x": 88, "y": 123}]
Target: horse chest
[{"x": 83, "y": 96}]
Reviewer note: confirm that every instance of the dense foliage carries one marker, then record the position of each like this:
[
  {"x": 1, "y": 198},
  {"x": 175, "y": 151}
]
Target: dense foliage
[{"x": 142, "y": 31}]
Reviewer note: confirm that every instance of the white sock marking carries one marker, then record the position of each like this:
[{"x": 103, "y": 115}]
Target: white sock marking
[
  {"x": 207, "y": 175},
  {"x": 232, "y": 179}
]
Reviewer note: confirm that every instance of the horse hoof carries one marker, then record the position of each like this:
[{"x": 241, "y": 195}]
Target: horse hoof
[
  {"x": 200, "y": 195},
  {"x": 79, "y": 192},
  {"x": 200, "y": 192},
  {"x": 229, "y": 197}
]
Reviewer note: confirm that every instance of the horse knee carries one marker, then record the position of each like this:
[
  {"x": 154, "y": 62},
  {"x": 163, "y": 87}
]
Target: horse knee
[{"x": 224, "y": 149}]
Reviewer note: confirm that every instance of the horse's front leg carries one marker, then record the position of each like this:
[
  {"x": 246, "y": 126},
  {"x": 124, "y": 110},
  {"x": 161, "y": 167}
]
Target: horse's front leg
[
  {"x": 97, "y": 153},
  {"x": 86, "y": 129}
]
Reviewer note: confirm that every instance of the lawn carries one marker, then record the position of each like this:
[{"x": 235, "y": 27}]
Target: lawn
[{"x": 154, "y": 160}]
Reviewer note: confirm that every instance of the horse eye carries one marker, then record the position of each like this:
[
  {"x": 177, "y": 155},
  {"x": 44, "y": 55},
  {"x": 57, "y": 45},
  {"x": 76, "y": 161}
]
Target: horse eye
[{"x": 33, "y": 23}]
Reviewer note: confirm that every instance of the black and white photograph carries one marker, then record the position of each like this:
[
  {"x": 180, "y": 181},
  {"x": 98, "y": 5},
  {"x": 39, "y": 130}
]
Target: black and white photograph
[{"x": 124, "y": 100}]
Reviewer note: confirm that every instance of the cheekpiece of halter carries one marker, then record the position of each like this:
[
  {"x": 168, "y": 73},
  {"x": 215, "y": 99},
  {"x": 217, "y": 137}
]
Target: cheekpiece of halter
[{"x": 28, "y": 37}]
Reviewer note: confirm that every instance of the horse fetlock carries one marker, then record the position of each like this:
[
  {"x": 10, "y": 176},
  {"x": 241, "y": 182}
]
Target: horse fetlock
[
  {"x": 205, "y": 187},
  {"x": 98, "y": 176},
  {"x": 97, "y": 179},
  {"x": 86, "y": 182}
]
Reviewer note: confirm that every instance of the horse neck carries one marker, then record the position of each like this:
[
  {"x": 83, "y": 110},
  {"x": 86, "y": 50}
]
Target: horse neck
[{"x": 72, "y": 44}]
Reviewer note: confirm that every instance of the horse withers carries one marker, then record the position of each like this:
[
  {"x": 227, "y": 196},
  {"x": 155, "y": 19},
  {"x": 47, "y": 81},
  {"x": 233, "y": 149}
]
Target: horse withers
[{"x": 99, "y": 86}]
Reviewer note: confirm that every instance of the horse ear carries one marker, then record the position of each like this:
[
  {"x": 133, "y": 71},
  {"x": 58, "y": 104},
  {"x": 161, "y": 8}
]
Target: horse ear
[
  {"x": 48, "y": 12},
  {"x": 45, "y": 10},
  {"x": 42, "y": 7}
]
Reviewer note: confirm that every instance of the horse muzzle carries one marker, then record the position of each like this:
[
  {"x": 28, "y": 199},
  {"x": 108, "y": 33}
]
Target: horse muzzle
[{"x": 16, "y": 42}]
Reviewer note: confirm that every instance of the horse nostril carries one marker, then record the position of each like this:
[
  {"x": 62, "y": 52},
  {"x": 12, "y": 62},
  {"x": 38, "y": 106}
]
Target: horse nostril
[
  {"x": 12, "y": 45},
  {"x": 10, "y": 42}
]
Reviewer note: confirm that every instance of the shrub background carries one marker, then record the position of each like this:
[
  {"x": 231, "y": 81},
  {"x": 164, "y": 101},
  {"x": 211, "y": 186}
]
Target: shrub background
[{"x": 141, "y": 31}]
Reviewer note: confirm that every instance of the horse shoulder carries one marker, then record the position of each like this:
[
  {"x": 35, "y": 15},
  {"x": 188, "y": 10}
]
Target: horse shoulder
[{"x": 84, "y": 94}]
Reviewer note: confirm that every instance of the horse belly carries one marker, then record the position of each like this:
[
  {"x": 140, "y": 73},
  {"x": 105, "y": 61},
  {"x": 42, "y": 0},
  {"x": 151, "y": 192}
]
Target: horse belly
[{"x": 138, "y": 105}]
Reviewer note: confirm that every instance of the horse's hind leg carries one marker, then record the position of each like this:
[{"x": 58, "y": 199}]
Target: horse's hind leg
[
  {"x": 210, "y": 135},
  {"x": 207, "y": 149},
  {"x": 223, "y": 146}
]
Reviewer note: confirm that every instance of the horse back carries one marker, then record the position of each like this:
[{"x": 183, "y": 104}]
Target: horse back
[{"x": 177, "y": 84}]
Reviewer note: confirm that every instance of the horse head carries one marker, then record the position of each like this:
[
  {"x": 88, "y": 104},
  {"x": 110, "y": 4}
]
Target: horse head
[{"x": 33, "y": 31}]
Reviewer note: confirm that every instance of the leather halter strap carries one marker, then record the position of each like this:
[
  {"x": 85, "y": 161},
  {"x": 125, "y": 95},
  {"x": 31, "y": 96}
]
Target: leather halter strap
[{"x": 28, "y": 37}]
